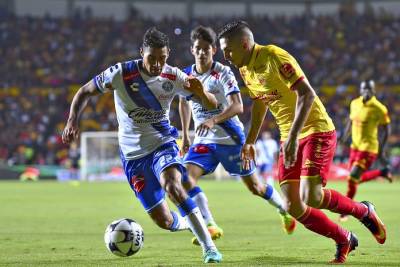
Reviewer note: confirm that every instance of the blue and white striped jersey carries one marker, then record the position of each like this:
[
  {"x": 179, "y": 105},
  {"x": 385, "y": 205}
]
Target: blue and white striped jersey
[
  {"x": 142, "y": 105},
  {"x": 221, "y": 82}
]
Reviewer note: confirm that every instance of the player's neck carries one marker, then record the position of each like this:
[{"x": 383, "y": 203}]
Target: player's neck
[
  {"x": 203, "y": 68},
  {"x": 248, "y": 53}
]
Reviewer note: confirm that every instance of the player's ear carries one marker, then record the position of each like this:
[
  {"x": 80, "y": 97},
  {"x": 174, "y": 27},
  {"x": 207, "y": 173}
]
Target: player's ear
[
  {"x": 141, "y": 52},
  {"x": 214, "y": 50}
]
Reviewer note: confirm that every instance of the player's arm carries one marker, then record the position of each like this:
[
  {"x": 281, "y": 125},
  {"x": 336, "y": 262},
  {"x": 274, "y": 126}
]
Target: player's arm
[
  {"x": 258, "y": 112},
  {"x": 346, "y": 132},
  {"x": 78, "y": 104},
  {"x": 386, "y": 130},
  {"x": 207, "y": 99},
  {"x": 305, "y": 98},
  {"x": 185, "y": 115},
  {"x": 234, "y": 108}
]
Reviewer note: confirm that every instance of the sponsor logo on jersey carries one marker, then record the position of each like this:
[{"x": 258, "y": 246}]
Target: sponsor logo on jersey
[
  {"x": 167, "y": 86},
  {"x": 165, "y": 97},
  {"x": 144, "y": 115},
  {"x": 270, "y": 97},
  {"x": 287, "y": 70},
  {"x": 134, "y": 87}
]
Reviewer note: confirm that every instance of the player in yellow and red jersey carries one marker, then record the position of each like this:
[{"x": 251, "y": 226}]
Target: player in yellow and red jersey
[
  {"x": 308, "y": 138},
  {"x": 366, "y": 115}
]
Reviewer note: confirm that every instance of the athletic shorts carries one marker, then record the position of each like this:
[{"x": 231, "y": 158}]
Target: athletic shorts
[
  {"x": 144, "y": 174},
  {"x": 208, "y": 156},
  {"x": 314, "y": 158},
  {"x": 363, "y": 159}
]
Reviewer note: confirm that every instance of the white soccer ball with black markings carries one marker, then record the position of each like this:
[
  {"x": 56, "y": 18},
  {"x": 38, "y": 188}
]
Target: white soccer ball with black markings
[{"x": 124, "y": 237}]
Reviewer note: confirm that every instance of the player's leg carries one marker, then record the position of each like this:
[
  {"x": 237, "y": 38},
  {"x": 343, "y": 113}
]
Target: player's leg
[
  {"x": 270, "y": 194},
  {"x": 170, "y": 179}
]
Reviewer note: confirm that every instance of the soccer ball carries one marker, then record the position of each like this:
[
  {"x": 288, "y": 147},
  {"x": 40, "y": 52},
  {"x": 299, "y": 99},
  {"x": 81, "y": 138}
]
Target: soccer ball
[{"x": 124, "y": 237}]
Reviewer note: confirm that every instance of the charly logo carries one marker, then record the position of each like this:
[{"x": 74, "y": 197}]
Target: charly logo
[
  {"x": 167, "y": 86},
  {"x": 134, "y": 87},
  {"x": 144, "y": 115}
]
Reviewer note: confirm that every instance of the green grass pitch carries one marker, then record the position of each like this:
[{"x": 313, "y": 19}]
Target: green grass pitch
[{"x": 62, "y": 224}]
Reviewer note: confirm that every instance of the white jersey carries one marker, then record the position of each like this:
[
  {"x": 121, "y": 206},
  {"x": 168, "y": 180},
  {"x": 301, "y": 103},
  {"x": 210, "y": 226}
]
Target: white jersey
[
  {"x": 266, "y": 150},
  {"x": 142, "y": 105},
  {"x": 221, "y": 82}
]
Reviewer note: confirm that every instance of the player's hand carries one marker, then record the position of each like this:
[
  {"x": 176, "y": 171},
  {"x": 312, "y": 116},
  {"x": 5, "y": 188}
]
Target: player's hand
[
  {"x": 70, "y": 133},
  {"x": 185, "y": 146},
  {"x": 290, "y": 148},
  {"x": 194, "y": 85},
  {"x": 202, "y": 129},
  {"x": 248, "y": 155}
]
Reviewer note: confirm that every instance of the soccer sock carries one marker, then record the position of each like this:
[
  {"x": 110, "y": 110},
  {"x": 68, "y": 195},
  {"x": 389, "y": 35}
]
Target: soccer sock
[
  {"x": 179, "y": 223},
  {"x": 336, "y": 202},
  {"x": 274, "y": 198},
  {"x": 316, "y": 221},
  {"x": 351, "y": 188},
  {"x": 370, "y": 175},
  {"x": 191, "y": 212},
  {"x": 202, "y": 202}
]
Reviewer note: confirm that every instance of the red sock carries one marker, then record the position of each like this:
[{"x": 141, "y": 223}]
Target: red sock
[
  {"x": 351, "y": 189},
  {"x": 336, "y": 202},
  {"x": 316, "y": 221},
  {"x": 370, "y": 175}
]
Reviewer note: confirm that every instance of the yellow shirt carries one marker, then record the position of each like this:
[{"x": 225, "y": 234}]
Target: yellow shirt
[
  {"x": 365, "y": 118},
  {"x": 270, "y": 75}
]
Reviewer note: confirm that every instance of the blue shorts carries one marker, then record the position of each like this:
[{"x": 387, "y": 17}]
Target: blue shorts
[
  {"x": 208, "y": 156},
  {"x": 144, "y": 174},
  {"x": 265, "y": 167}
]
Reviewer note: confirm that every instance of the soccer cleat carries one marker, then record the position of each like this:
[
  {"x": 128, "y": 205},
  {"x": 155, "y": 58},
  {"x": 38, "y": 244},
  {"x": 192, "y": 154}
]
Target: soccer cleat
[
  {"x": 386, "y": 174},
  {"x": 212, "y": 256},
  {"x": 374, "y": 223},
  {"x": 288, "y": 223},
  {"x": 343, "y": 249},
  {"x": 215, "y": 231},
  {"x": 343, "y": 218}
]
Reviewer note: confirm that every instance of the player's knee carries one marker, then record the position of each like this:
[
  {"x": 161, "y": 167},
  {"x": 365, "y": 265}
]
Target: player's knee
[{"x": 312, "y": 200}]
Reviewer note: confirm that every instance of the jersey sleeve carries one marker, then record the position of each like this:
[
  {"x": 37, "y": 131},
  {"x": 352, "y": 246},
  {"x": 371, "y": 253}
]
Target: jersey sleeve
[
  {"x": 384, "y": 118},
  {"x": 287, "y": 68},
  {"x": 180, "y": 82},
  {"x": 352, "y": 110},
  {"x": 106, "y": 80},
  {"x": 229, "y": 82}
]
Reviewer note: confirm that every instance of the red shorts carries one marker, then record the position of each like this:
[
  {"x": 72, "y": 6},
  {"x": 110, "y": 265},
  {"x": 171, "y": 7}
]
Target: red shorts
[
  {"x": 314, "y": 158},
  {"x": 363, "y": 159}
]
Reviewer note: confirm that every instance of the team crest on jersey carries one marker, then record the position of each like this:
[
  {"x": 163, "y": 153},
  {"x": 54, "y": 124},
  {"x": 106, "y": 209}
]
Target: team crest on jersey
[
  {"x": 134, "y": 87},
  {"x": 167, "y": 86},
  {"x": 287, "y": 70}
]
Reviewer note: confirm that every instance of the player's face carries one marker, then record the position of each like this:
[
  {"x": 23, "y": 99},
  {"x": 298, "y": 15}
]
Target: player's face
[
  {"x": 154, "y": 59},
  {"x": 203, "y": 52},
  {"x": 233, "y": 51},
  {"x": 366, "y": 92}
]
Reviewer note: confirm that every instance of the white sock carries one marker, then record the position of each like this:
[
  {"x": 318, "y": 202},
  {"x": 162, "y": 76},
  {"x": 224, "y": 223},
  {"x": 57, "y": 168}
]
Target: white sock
[
  {"x": 179, "y": 223},
  {"x": 199, "y": 229},
  {"x": 274, "y": 198},
  {"x": 202, "y": 202}
]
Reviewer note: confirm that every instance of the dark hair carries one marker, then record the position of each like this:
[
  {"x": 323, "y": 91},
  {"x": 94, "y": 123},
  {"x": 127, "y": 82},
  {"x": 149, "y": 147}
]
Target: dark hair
[
  {"x": 155, "y": 39},
  {"x": 204, "y": 33},
  {"x": 232, "y": 28}
]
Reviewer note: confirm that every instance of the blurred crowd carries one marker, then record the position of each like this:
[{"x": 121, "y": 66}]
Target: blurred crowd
[{"x": 46, "y": 59}]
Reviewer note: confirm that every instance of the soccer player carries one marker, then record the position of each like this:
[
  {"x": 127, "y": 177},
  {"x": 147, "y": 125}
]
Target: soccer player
[
  {"x": 219, "y": 133},
  {"x": 308, "y": 139},
  {"x": 267, "y": 152},
  {"x": 366, "y": 115},
  {"x": 143, "y": 90}
]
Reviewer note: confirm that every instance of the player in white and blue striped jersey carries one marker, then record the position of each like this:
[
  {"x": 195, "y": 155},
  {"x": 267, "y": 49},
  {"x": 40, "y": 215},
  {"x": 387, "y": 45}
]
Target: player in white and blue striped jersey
[
  {"x": 219, "y": 133},
  {"x": 143, "y": 90}
]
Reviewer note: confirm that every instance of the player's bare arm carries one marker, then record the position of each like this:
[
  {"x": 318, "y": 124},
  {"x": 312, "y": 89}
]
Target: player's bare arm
[
  {"x": 185, "y": 115},
  {"x": 258, "y": 112},
  {"x": 207, "y": 99},
  {"x": 346, "y": 132},
  {"x": 79, "y": 102},
  {"x": 305, "y": 98},
  {"x": 386, "y": 130},
  {"x": 235, "y": 108}
]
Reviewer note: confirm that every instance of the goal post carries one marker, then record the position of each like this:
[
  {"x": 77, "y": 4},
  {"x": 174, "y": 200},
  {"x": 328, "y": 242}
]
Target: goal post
[{"x": 100, "y": 158}]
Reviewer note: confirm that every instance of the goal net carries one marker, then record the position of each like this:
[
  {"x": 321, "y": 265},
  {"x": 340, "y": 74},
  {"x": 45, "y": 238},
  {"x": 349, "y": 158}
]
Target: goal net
[{"x": 100, "y": 160}]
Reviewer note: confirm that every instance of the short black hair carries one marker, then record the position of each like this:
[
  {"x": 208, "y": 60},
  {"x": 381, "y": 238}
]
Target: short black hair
[
  {"x": 232, "y": 28},
  {"x": 204, "y": 33},
  {"x": 155, "y": 39}
]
